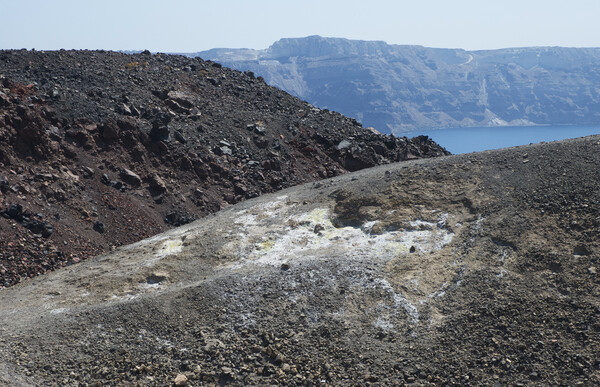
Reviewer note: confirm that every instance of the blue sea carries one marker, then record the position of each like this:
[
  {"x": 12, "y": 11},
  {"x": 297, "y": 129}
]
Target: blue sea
[{"x": 466, "y": 140}]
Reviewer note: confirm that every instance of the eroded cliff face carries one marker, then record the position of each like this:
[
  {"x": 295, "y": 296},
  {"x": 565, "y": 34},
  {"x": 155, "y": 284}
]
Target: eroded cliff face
[
  {"x": 396, "y": 88},
  {"x": 464, "y": 269}
]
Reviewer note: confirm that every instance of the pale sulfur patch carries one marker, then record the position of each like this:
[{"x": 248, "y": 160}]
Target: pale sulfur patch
[
  {"x": 313, "y": 235},
  {"x": 170, "y": 247}
]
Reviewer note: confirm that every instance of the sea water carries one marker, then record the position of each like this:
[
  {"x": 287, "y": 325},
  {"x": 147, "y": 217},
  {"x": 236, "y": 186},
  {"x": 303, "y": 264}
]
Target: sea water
[{"x": 466, "y": 140}]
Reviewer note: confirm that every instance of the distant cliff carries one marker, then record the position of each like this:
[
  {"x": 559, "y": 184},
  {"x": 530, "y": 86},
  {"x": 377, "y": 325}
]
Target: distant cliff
[{"x": 397, "y": 88}]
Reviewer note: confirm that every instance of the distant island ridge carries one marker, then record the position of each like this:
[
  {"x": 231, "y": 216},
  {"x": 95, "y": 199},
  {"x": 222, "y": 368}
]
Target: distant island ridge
[{"x": 402, "y": 88}]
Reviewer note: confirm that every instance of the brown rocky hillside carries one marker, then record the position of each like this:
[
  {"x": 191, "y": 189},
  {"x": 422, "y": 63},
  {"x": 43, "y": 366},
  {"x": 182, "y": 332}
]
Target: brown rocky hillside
[{"x": 100, "y": 149}]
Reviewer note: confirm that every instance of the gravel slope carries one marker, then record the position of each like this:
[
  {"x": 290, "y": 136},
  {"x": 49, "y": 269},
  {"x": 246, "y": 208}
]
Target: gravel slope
[{"x": 476, "y": 269}]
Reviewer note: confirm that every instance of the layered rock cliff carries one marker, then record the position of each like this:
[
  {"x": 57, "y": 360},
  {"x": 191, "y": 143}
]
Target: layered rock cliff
[{"x": 396, "y": 88}]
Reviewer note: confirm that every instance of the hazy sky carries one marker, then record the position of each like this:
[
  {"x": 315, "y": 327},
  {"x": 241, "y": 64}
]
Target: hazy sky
[{"x": 187, "y": 26}]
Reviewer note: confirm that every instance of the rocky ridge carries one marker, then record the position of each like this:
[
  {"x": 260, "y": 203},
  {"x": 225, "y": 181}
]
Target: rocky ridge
[
  {"x": 477, "y": 269},
  {"x": 396, "y": 88},
  {"x": 100, "y": 149}
]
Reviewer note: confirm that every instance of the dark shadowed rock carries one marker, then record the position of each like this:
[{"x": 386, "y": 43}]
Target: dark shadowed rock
[
  {"x": 157, "y": 183},
  {"x": 4, "y": 184},
  {"x": 160, "y": 133},
  {"x": 109, "y": 131},
  {"x": 99, "y": 227}
]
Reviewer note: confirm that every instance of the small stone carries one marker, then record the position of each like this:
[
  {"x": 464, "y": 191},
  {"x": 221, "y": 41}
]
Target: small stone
[
  {"x": 116, "y": 184},
  {"x": 160, "y": 133},
  {"x": 125, "y": 109},
  {"x": 179, "y": 137},
  {"x": 130, "y": 177},
  {"x": 213, "y": 81},
  {"x": 99, "y": 226},
  {"x": 227, "y": 370},
  {"x": 286, "y": 367},
  {"x": 279, "y": 358},
  {"x": 15, "y": 211},
  {"x": 157, "y": 183},
  {"x": 224, "y": 150},
  {"x": 212, "y": 345},
  {"x": 180, "y": 380},
  {"x": 240, "y": 189},
  {"x": 43, "y": 228},
  {"x": 157, "y": 277},
  {"x": 4, "y": 184},
  {"x": 344, "y": 144},
  {"x": 109, "y": 131},
  {"x": 87, "y": 172},
  {"x": 592, "y": 270}
]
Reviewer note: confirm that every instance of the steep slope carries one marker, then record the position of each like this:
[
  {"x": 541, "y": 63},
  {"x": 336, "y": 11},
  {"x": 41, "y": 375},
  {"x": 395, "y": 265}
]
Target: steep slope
[
  {"x": 395, "y": 88},
  {"x": 475, "y": 269},
  {"x": 100, "y": 149}
]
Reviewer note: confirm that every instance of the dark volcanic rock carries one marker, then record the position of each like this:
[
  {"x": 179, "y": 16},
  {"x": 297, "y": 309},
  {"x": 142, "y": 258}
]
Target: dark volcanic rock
[
  {"x": 158, "y": 133},
  {"x": 26, "y": 219},
  {"x": 43, "y": 228},
  {"x": 130, "y": 177},
  {"x": 99, "y": 226}
]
